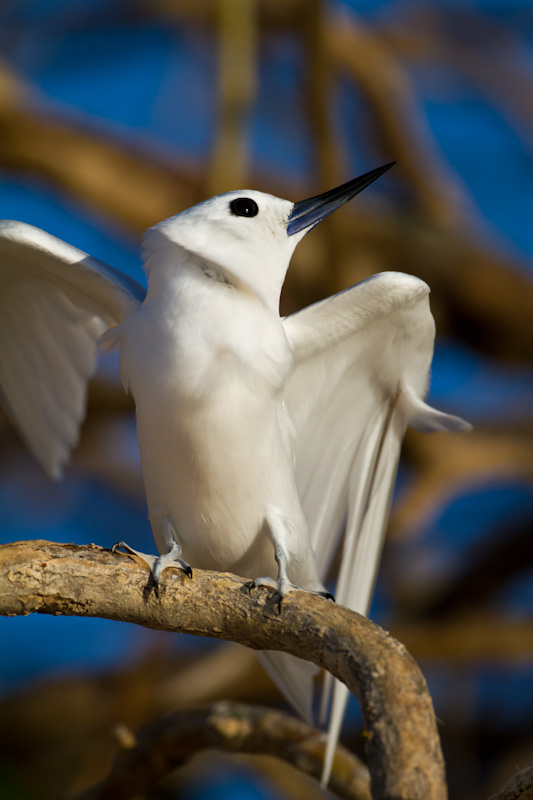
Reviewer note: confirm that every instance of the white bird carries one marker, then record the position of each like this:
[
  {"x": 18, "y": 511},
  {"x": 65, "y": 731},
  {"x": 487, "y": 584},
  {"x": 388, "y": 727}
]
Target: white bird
[{"x": 265, "y": 442}]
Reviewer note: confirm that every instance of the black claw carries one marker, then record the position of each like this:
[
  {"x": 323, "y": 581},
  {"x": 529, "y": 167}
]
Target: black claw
[
  {"x": 188, "y": 572},
  {"x": 280, "y": 600},
  {"x": 327, "y": 595}
]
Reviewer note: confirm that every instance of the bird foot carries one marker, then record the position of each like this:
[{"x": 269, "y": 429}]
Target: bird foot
[
  {"x": 157, "y": 564},
  {"x": 282, "y": 587}
]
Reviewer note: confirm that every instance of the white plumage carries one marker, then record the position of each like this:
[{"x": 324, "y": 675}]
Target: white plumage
[{"x": 265, "y": 442}]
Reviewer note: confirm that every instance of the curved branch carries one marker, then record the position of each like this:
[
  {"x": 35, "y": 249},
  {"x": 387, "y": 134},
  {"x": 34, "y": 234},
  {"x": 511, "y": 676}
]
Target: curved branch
[
  {"x": 403, "y": 746},
  {"x": 232, "y": 727}
]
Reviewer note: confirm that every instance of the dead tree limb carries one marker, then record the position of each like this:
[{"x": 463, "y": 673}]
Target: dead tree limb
[{"x": 403, "y": 746}]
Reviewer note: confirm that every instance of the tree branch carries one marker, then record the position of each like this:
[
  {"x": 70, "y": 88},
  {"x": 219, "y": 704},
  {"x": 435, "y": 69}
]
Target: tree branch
[
  {"x": 519, "y": 787},
  {"x": 403, "y": 746},
  {"x": 233, "y": 727}
]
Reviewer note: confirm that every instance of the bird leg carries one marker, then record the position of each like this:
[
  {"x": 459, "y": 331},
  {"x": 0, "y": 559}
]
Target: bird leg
[
  {"x": 159, "y": 563},
  {"x": 283, "y": 585}
]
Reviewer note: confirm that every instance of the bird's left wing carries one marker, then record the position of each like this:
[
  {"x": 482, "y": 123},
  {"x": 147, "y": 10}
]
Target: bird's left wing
[
  {"x": 362, "y": 369},
  {"x": 55, "y": 302}
]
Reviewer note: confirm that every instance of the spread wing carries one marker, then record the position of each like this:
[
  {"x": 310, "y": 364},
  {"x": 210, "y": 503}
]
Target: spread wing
[
  {"x": 362, "y": 368},
  {"x": 55, "y": 303}
]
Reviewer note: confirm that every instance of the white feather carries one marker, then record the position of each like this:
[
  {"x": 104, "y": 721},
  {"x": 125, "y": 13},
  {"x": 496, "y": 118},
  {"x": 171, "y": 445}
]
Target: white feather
[
  {"x": 55, "y": 303},
  {"x": 362, "y": 361}
]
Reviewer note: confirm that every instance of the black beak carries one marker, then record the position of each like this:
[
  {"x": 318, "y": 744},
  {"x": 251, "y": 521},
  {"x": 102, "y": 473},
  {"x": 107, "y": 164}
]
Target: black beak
[{"x": 308, "y": 213}]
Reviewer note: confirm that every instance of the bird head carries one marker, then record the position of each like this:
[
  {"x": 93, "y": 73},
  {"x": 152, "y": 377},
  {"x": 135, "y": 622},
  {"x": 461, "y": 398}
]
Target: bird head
[{"x": 245, "y": 238}]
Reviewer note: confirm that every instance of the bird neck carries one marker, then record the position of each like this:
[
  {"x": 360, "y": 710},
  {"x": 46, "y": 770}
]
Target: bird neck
[{"x": 171, "y": 269}]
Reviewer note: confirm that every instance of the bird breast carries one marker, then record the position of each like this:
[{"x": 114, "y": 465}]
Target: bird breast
[{"x": 214, "y": 435}]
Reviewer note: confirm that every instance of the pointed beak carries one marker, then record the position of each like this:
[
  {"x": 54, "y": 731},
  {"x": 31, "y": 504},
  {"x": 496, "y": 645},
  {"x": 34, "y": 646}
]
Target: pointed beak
[{"x": 308, "y": 213}]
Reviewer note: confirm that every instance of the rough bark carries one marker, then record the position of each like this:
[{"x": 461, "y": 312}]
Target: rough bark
[
  {"x": 519, "y": 787},
  {"x": 403, "y": 746}
]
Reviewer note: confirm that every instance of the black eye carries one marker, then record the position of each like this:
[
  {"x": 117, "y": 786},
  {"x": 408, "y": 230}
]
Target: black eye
[{"x": 244, "y": 207}]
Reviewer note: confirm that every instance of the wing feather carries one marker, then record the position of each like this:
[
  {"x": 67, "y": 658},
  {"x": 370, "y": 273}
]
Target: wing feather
[
  {"x": 56, "y": 302},
  {"x": 362, "y": 362},
  {"x": 294, "y": 677}
]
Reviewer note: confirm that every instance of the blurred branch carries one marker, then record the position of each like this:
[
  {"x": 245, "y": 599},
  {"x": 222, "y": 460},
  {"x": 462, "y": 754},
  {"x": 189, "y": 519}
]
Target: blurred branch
[
  {"x": 469, "y": 638},
  {"x": 319, "y": 88},
  {"x": 519, "y": 787},
  {"x": 125, "y": 180},
  {"x": 273, "y": 13},
  {"x": 345, "y": 45},
  {"x": 234, "y": 727},
  {"x": 486, "y": 567},
  {"x": 488, "y": 53},
  {"x": 484, "y": 292},
  {"x": 402, "y": 742},
  {"x": 237, "y": 78},
  {"x": 60, "y": 726},
  {"x": 403, "y": 131},
  {"x": 446, "y": 465}
]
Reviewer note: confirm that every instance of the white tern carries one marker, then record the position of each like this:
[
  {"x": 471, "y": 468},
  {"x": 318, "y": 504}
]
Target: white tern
[{"x": 266, "y": 442}]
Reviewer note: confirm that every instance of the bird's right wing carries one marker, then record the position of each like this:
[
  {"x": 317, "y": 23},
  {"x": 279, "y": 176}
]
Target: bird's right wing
[
  {"x": 55, "y": 302},
  {"x": 362, "y": 361}
]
